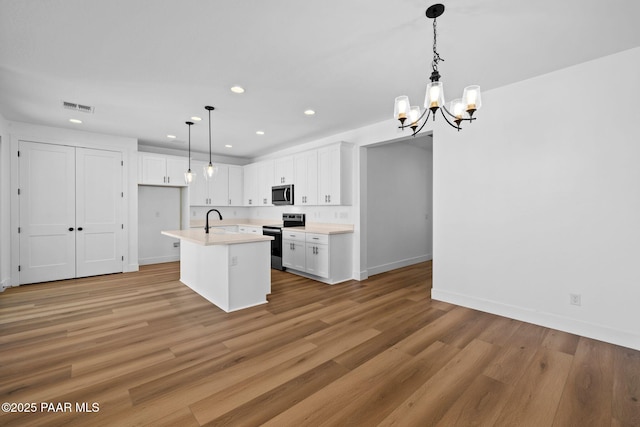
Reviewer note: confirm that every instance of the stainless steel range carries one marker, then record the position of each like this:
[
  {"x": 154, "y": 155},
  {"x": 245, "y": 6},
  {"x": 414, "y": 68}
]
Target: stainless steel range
[{"x": 288, "y": 220}]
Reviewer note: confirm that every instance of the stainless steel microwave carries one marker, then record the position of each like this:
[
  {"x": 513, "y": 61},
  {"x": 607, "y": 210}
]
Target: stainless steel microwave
[{"x": 282, "y": 194}]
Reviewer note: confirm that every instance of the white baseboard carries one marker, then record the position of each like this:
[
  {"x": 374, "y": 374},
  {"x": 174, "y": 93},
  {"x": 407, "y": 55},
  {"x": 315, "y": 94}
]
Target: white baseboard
[
  {"x": 158, "y": 260},
  {"x": 397, "y": 264},
  {"x": 630, "y": 339},
  {"x": 4, "y": 285}
]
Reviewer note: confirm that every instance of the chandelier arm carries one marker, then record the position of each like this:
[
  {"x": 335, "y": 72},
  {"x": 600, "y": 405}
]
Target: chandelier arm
[
  {"x": 423, "y": 123},
  {"x": 461, "y": 118},
  {"x": 426, "y": 110},
  {"x": 447, "y": 120}
]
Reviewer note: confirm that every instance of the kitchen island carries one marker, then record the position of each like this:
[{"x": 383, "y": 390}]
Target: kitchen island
[{"x": 231, "y": 270}]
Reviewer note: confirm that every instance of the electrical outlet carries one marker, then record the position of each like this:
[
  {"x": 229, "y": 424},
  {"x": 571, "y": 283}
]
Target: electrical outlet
[
  {"x": 234, "y": 261},
  {"x": 575, "y": 299}
]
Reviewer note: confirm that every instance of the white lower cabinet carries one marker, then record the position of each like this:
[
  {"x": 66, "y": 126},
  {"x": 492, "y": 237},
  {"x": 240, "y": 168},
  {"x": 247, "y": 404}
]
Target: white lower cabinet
[
  {"x": 322, "y": 257},
  {"x": 318, "y": 259},
  {"x": 293, "y": 250}
]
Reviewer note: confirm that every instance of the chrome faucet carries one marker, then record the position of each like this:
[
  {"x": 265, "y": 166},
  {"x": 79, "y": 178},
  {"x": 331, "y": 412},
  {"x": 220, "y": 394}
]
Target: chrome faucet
[{"x": 206, "y": 227}]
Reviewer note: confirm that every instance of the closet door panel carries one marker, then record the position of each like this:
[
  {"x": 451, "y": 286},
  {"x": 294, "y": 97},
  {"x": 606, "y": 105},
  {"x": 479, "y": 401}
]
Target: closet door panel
[
  {"x": 47, "y": 212},
  {"x": 98, "y": 212}
]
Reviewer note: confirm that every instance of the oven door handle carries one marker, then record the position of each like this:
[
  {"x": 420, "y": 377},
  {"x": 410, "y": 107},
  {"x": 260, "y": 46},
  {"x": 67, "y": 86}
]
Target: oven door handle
[{"x": 271, "y": 232}]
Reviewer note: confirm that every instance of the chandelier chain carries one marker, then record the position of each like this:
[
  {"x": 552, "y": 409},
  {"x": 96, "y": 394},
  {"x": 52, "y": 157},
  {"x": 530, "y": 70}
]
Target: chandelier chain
[{"x": 436, "y": 55}]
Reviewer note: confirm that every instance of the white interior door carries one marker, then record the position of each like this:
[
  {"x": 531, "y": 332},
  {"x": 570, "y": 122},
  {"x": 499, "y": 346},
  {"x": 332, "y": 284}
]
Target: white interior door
[
  {"x": 47, "y": 212},
  {"x": 98, "y": 212}
]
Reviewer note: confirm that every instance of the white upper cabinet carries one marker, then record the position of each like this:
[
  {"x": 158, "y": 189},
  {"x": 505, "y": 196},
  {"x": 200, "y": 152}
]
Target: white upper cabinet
[
  {"x": 334, "y": 174},
  {"x": 283, "y": 171},
  {"x": 320, "y": 177},
  {"x": 265, "y": 182},
  {"x": 224, "y": 189},
  {"x": 219, "y": 186},
  {"x": 250, "y": 185},
  {"x": 158, "y": 169},
  {"x": 235, "y": 185},
  {"x": 306, "y": 178},
  {"x": 199, "y": 188}
]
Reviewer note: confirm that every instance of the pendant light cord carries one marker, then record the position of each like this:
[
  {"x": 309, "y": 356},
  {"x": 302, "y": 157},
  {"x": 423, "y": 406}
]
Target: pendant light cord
[
  {"x": 209, "y": 136},
  {"x": 436, "y": 55}
]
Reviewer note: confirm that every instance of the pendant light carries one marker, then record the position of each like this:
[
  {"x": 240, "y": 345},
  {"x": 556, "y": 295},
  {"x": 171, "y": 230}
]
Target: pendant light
[
  {"x": 188, "y": 175},
  {"x": 459, "y": 110},
  {"x": 209, "y": 170}
]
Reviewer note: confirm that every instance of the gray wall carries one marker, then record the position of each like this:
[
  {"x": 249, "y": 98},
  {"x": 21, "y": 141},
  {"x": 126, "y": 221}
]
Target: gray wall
[
  {"x": 158, "y": 209},
  {"x": 399, "y": 204}
]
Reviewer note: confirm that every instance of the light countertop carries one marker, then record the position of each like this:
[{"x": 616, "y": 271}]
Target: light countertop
[
  {"x": 215, "y": 237},
  {"x": 318, "y": 228},
  {"x": 310, "y": 227}
]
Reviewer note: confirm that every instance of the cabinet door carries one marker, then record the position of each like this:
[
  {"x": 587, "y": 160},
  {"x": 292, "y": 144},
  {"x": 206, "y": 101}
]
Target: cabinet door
[
  {"x": 250, "y": 185},
  {"x": 98, "y": 212},
  {"x": 219, "y": 186},
  {"x": 176, "y": 167},
  {"x": 317, "y": 259},
  {"x": 235, "y": 186},
  {"x": 154, "y": 169},
  {"x": 199, "y": 188},
  {"x": 265, "y": 182},
  {"x": 283, "y": 171},
  {"x": 306, "y": 178},
  {"x": 293, "y": 255},
  {"x": 288, "y": 253},
  {"x": 329, "y": 168},
  {"x": 47, "y": 212}
]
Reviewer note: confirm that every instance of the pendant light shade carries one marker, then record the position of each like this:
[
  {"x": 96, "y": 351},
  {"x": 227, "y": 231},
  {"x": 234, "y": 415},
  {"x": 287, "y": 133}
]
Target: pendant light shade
[
  {"x": 210, "y": 170},
  {"x": 434, "y": 97},
  {"x": 189, "y": 176},
  {"x": 471, "y": 99}
]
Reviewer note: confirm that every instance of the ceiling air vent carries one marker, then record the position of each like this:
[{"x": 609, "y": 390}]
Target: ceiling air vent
[{"x": 77, "y": 107}]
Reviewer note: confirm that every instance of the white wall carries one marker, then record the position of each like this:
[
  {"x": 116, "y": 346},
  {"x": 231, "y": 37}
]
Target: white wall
[
  {"x": 44, "y": 134},
  {"x": 541, "y": 199},
  {"x": 159, "y": 208},
  {"x": 5, "y": 207},
  {"x": 399, "y": 205}
]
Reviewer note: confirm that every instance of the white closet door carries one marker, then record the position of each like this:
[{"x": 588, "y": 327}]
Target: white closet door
[
  {"x": 47, "y": 212},
  {"x": 98, "y": 212}
]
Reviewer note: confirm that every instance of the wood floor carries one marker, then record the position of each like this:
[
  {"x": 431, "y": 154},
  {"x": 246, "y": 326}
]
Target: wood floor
[{"x": 149, "y": 351}]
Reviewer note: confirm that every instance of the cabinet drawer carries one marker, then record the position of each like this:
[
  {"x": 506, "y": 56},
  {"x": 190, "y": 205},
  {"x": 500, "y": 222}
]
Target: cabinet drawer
[
  {"x": 250, "y": 230},
  {"x": 317, "y": 238},
  {"x": 298, "y": 236}
]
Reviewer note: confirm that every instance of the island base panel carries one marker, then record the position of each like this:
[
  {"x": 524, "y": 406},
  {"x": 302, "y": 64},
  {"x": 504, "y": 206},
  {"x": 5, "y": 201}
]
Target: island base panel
[{"x": 232, "y": 277}]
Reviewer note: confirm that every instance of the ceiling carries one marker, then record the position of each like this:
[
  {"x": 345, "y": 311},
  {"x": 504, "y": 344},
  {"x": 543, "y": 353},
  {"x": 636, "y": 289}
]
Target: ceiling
[{"x": 147, "y": 66}]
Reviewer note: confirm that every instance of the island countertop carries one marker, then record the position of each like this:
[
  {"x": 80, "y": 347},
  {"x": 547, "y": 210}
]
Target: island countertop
[
  {"x": 310, "y": 227},
  {"x": 215, "y": 237}
]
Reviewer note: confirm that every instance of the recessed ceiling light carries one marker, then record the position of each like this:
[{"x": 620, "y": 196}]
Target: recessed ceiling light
[
  {"x": 309, "y": 112},
  {"x": 171, "y": 136},
  {"x": 259, "y": 132},
  {"x": 228, "y": 145},
  {"x": 237, "y": 89},
  {"x": 76, "y": 121},
  {"x": 196, "y": 119}
]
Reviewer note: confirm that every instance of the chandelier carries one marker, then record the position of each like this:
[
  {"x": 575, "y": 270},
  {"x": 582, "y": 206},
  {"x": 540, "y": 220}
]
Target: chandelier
[{"x": 459, "y": 110}]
